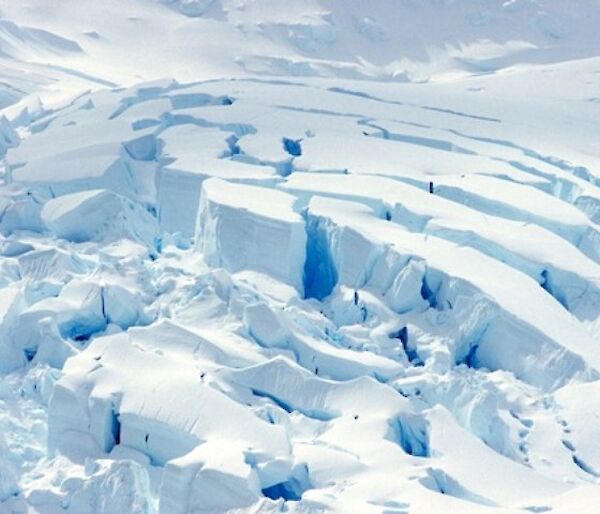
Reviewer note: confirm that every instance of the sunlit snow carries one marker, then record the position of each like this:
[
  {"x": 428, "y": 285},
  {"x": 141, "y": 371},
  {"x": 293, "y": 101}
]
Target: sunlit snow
[{"x": 306, "y": 256}]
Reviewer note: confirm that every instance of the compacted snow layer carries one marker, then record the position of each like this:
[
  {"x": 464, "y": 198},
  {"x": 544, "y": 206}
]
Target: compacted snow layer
[{"x": 295, "y": 291}]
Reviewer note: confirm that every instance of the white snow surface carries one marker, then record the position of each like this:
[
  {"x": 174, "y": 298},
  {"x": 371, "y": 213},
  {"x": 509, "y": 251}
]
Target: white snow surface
[{"x": 318, "y": 256}]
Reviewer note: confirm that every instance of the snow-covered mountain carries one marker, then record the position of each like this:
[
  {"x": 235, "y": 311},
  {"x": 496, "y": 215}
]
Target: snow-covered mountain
[{"x": 317, "y": 256}]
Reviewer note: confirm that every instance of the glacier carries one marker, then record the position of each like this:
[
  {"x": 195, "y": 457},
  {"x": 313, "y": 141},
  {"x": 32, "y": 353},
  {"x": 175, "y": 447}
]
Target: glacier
[{"x": 318, "y": 256}]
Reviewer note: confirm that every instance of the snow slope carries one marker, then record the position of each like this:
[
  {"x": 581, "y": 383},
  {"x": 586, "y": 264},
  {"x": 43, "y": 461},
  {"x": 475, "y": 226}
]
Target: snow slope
[{"x": 307, "y": 257}]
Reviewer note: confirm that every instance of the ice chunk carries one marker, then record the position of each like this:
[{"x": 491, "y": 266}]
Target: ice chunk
[
  {"x": 8, "y": 134},
  {"x": 101, "y": 487},
  {"x": 212, "y": 477},
  {"x": 11, "y": 303},
  {"x": 244, "y": 227},
  {"x": 14, "y": 248},
  {"x": 52, "y": 348},
  {"x": 98, "y": 215},
  {"x": 77, "y": 313},
  {"x": 121, "y": 306},
  {"x": 264, "y": 325},
  {"x": 20, "y": 212},
  {"x": 8, "y": 480},
  {"x": 110, "y": 487},
  {"x": 39, "y": 383},
  {"x": 143, "y": 148},
  {"x": 405, "y": 292},
  {"x": 52, "y": 264}
]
